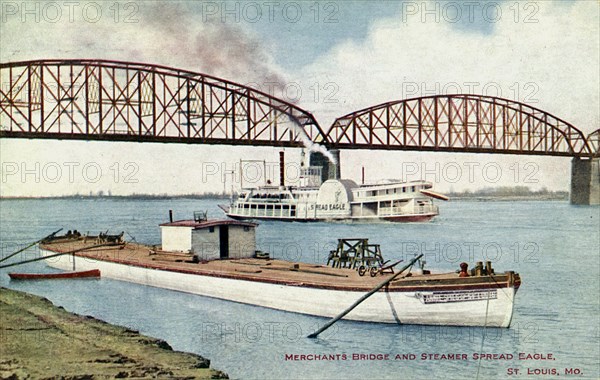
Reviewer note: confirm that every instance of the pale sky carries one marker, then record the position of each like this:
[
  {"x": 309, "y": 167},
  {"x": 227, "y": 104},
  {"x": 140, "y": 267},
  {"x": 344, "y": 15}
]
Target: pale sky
[{"x": 343, "y": 55}]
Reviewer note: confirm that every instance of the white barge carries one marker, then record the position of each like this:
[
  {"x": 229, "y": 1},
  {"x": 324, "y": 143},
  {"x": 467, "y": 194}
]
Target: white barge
[
  {"x": 335, "y": 200},
  {"x": 216, "y": 259}
]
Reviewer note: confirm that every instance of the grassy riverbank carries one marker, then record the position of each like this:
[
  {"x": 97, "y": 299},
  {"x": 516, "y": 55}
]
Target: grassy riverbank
[{"x": 40, "y": 340}]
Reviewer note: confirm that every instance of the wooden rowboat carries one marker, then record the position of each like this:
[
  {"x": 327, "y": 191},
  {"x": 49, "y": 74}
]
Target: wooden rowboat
[{"x": 44, "y": 276}]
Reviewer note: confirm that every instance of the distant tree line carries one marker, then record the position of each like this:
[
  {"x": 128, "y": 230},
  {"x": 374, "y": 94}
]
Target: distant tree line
[
  {"x": 511, "y": 191},
  {"x": 108, "y": 195},
  {"x": 488, "y": 192}
]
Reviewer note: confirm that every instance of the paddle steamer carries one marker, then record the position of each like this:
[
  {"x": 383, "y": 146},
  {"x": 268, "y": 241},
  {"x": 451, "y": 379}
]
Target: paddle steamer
[{"x": 335, "y": 200}]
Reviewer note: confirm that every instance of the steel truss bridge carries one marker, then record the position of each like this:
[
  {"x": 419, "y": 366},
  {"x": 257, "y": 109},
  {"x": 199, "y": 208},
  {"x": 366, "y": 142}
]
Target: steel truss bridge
[
  {"x": 126, "y": 101},
  {"x": 461, "y": 123}
]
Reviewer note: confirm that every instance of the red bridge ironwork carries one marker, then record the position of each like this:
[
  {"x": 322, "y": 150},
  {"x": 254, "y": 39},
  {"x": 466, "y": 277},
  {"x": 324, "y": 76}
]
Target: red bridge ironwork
[
  {"x": 124, "y": 101},
  {"x": 594, "y": 142},
  {"x": 459, "y": 123}
]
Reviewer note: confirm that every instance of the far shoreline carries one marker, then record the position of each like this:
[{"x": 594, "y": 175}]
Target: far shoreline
[
  {"x": 126, "y": 197},
  {"x": 509, "y": 198}
]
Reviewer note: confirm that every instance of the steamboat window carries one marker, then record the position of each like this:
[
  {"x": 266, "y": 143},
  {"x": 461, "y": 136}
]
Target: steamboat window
[
  {"x": 211, "y": 229},
  {"x": 412, "y": 189}
]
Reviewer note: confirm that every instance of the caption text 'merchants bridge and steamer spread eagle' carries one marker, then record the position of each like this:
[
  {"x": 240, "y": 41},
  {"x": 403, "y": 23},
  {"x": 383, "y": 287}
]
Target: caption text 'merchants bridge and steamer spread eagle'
[{"x": 126, "y": 101}]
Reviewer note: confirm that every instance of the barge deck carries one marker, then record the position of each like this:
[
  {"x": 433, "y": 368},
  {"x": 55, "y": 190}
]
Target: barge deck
[{"x": 273, "y": 270}]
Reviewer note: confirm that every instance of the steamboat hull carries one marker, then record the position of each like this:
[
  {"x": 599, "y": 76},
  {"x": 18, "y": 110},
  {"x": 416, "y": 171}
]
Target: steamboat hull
[
  {"x": 406, "y": 218},
  {"x": 394, "y": 219},
  {"x": 463, "y": 304}
]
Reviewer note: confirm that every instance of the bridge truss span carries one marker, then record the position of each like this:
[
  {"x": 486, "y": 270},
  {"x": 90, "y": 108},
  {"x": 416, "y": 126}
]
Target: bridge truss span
[
  {"x": 459, "y": 123},
  {"x": 115, "y": 100},
  {"x": 594, "y": 142}
]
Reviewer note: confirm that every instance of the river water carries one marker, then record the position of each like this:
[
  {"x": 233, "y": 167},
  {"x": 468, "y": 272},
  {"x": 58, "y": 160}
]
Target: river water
[{"x": 553, "y": 245}]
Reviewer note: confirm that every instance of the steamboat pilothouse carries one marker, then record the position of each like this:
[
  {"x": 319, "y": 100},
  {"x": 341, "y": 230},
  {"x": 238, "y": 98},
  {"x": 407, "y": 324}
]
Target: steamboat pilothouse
[{"x": 316, "y": 198}]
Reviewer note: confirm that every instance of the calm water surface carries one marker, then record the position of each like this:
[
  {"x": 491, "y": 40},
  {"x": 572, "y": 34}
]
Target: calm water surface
[{"x": 554, "y": 246}]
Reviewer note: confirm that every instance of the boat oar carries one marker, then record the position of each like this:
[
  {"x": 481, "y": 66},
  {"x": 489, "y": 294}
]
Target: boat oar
[
  {"x": 57, "y": 254},
  {"x": 359, "y": 301},
  {"x": 30, "y": 245}
]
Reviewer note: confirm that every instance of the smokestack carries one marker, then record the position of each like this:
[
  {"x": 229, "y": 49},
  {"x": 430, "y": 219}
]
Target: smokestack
[
  {"x": 171, "y": 216},
  {"x": 282, "y": 168}
]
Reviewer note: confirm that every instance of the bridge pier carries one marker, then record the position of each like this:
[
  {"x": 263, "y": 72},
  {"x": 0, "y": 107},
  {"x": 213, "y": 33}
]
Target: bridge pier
[
  {"x": 330, "y": 170},
  {"x": 585, "y": 181}
]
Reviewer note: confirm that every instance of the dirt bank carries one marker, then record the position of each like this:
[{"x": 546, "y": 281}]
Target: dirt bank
[{"x": 40, "y": 340}]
